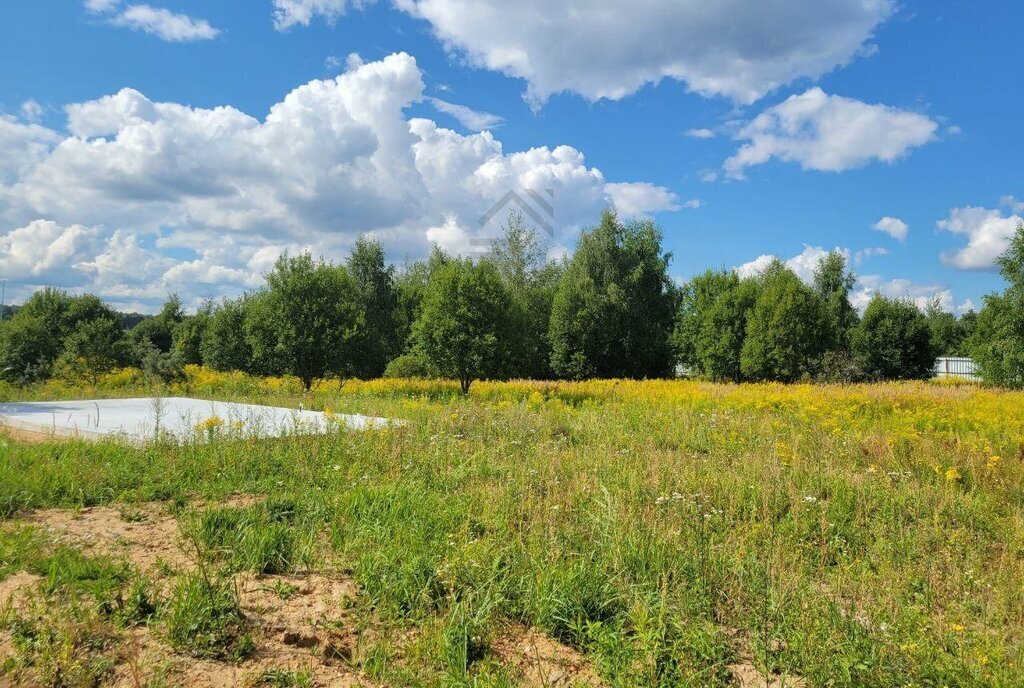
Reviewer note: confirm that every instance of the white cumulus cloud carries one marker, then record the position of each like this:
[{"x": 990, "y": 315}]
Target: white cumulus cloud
[
  {"x": 829, "y": 133},
  {"x": 610, "y": 49},
  {"x": 164, "y": 24},
  {"x": 168, "y": 26},
  {"x": 893, "y": 226},
  {"x": 632, "y": 199},
  {"x": 200, "y": 200},
  {"x": 288, "y": 13},
  {"x": 988, "y": 232}
]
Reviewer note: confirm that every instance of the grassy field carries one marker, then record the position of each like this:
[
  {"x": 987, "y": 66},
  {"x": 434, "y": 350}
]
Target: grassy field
[{"x": 622, "y": 533}]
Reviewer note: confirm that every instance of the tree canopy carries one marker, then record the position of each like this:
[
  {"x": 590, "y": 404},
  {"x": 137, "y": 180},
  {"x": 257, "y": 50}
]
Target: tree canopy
[
  {"x": 614, "y": 307},
  {"x": 464, "y": 325}
]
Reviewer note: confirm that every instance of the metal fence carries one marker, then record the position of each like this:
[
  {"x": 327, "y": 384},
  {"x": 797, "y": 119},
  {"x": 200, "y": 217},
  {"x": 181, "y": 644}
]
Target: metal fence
[{"x": 956, "y": 366}]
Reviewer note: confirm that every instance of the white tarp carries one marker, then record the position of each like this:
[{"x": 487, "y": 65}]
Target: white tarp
[{"x": 180, "y": 417}]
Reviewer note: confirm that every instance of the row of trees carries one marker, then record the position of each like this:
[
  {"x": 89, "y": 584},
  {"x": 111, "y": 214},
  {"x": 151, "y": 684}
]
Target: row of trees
[{"x": 610, "y": 310}]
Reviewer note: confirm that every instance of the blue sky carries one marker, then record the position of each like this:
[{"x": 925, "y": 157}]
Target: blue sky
[{"x": 137, "y": 156}]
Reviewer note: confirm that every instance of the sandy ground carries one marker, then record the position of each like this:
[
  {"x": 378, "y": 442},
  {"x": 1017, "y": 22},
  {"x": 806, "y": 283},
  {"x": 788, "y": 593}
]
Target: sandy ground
[{"x": 311, "y": 631}]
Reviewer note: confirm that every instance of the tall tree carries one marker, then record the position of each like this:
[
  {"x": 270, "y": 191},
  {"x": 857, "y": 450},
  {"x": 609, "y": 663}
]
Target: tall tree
[
  {"x": 464, "y": 323},
  {"x": 187, "y": 341},
  {"x": 893, "y": 341},
  {"x": 997, "y": 344},
  {"x": 723, "y": 331},
  {"x": 159, "y": 329},
  {"x": 411, "y": 284},
  {"x": 519, "y": 255},
  {"x": 94, "y": 348},
  {"x": 786, "y": 329},
  {"x": 377, "y": 341},
  {"x": 33, "y": 339},
  {"x": 224, "y": 346},
  {"x": 614, "y": 308},
  {"x": 833, "y": 283},
  {"x": 696, "y": 299},
  {"x": 307, "y": 320},
  {"x": 947, "y": 332}
]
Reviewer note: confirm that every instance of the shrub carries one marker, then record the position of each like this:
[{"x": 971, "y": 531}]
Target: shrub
[
  {"x": 893, "y": 341},
  {"x": 410, "y": 366}
]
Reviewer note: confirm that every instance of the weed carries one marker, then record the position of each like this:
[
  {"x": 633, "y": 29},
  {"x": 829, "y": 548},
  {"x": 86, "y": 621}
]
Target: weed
[
  {"x": 203, "y": 619},
  {"x": 260, "y": 538},
  {"x": 283, "y": 678}
]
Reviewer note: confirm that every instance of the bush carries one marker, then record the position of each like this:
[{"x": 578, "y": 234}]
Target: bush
[
  {"x": 410, "y": 366},
  {"x": 893, "y": 341}
]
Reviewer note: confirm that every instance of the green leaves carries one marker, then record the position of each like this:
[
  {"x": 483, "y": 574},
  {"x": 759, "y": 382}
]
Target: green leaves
[
  {"x": 613, "y": 310},
  {"x": 464, "y": 326}
]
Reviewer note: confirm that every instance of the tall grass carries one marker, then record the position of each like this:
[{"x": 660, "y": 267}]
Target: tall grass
[{"x": 863, "y": 535}]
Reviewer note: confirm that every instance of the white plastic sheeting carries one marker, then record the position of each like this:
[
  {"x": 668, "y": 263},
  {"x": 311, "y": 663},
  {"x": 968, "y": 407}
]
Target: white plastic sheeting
[{"x": 177, "y": 417}]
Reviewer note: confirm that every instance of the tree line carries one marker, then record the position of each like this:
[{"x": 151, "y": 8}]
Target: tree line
[{"x": 609, "y": 310}]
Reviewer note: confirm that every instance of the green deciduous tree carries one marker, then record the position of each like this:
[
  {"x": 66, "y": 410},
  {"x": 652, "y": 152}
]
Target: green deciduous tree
[
  {"x": 833, "y": 284},
  {"x": 307, "y": 320},
  {"x": 696, "y": 299},
  {"x": 893, "y": 341},
  {"x": 786, "y": 329},
  {"x": 947, "y": 332},
  {"x": 614, "y": 308},
  {"x": 519, "y": 255},
  {"x": 187, "y": 344},
  {"x": 224, "y": 346},
  {"x": 464, "y": 322},
  {"x": 723, "y": 332},
  {"x": 997, "y": 343},
  {"x": 33, "y": 339},
  {"x": 94, "y": 348},
  {"x": 411, "y": 284},
  {"x": 159, "y": 329},
  {"x": 377, "y": 341}
]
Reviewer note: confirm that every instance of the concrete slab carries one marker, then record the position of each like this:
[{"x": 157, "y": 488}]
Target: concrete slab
[{"x": 180, "y": 417}]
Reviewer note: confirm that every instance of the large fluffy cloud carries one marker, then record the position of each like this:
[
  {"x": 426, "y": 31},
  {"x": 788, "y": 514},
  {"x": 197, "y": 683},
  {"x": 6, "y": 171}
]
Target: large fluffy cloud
[
  {"x": 610, "y": 49},
  {"x": 988, "y": 232},
  {"x": 829, "y": 133},
  {"x": 200, "y": 200}
]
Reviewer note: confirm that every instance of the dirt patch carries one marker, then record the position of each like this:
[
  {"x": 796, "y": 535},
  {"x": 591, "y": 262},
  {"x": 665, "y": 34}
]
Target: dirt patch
[
  {"x": 15, "y": 592},
  {"x": 25, "y": 436},
  {"x": 543, "y": 661},
  {"x": 143, "y": 534},
  {"x": 147, "y": 658},
  {"x": 748, "y": 676},
  {"x": 299, "y": 624},
  {"x": 14, "y": 589}
]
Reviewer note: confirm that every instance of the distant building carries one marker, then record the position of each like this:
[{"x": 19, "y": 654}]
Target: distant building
[{"x": 956, "y": 366}]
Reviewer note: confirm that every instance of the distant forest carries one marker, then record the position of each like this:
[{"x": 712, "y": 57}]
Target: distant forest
[{"x": 610, "y": 310}]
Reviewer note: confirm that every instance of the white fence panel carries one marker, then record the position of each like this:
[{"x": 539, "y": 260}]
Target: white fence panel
[{"x": 956, "y": 366}]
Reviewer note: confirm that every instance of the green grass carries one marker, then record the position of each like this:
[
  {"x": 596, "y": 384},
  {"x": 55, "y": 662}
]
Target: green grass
[
  {"x": 269, "y": 538},
  {"x": 203, "y": 619},
  {"x": 662, "y": 538}
]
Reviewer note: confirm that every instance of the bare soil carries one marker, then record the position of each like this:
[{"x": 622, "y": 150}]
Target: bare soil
[{"x": 310, "y": 628}]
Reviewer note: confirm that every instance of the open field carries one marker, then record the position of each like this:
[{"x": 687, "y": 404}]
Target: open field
[{"x": 602, "y": 533}]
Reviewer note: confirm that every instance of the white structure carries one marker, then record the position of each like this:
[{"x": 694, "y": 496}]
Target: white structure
[
  {"x": 173, "y": 417},
  {"x": 956, "y": 366}
]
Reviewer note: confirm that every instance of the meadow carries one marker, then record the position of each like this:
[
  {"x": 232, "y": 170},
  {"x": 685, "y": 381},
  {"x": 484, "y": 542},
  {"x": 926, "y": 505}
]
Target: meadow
[{"x": 621, "y": 533}]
